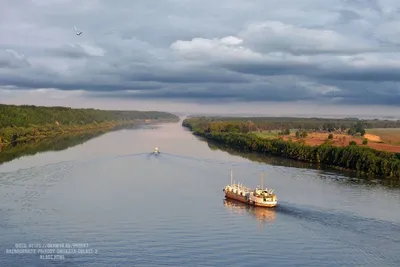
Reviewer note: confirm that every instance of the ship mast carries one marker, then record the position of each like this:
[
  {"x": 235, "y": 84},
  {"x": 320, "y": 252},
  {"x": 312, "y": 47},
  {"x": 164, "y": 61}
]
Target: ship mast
[
  {"x": 262, "y": 180},
  {"x": 231, "y": 177}
]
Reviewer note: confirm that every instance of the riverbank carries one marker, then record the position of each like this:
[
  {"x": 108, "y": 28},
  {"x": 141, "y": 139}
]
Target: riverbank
[
  {"x": 19, "y": 124},
  {"x": 364, "y": 160}
]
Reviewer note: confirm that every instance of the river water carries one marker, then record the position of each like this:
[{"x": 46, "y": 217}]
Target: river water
[{"x": 136, "y": 209}]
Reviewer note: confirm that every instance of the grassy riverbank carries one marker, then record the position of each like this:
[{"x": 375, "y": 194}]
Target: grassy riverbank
[
  {"x": 243, "y": 134},
  {"x": 26, "y": 123}
]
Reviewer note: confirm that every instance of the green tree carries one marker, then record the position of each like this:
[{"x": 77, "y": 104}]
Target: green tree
[{"x": 352, "y": 131}]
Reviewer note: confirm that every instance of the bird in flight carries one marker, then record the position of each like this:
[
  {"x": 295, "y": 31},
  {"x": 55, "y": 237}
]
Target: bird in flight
[{"x": 77, "y": 32}]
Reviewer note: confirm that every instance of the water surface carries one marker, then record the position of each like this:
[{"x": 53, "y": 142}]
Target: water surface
[{"x": 139, "y": 209}]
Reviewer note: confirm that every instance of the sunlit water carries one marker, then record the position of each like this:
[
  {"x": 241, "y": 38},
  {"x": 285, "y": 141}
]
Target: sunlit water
[{"x": 139, "y": 209}]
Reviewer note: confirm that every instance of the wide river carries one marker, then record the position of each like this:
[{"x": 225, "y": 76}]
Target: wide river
[{"x": 118, "y": 205}]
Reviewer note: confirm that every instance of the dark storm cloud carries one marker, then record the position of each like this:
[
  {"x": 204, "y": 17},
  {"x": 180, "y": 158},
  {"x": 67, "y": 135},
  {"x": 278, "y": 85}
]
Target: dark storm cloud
[
  {"x": 200, "y": 75},
  {"x": 317, "y": 71},
  {"x": 374, "y": 75},
  {"x": 273, "y": 69},
  {"x": 12, "y": 60},
  {"x": 345, "y": 51},
  {"x": 348, "y": 16},
  {"x": 227, "y": 95},
  {"x": 253, "y": 92},
  {"x": 69, "y": 51},
  {"x": 32, "y": 83}
]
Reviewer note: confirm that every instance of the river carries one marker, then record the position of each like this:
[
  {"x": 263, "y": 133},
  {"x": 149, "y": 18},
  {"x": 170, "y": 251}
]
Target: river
[{"x": 132, "y": 208}]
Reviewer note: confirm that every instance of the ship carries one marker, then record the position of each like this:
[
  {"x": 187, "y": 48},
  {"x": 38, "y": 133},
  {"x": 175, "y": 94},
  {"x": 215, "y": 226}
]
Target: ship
[
  {"x": 259, "y": 197},
  {"x": 156, "y": 151}
]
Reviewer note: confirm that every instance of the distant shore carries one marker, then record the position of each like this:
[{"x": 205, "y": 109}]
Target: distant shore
[
  {"x": 287, "y": 138},
  {"x": 20, "y": 124}
]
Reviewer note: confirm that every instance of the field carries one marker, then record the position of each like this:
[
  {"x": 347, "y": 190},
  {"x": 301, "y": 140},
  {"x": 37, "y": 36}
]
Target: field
[
  {"x": 388, "y": 135},
  {"x": 268, "y": 134},
  {"x": 385, "y": 139}
]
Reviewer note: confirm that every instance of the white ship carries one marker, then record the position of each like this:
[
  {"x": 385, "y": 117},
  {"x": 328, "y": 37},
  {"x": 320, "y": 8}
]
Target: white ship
[{"x": 260, "y": 197}]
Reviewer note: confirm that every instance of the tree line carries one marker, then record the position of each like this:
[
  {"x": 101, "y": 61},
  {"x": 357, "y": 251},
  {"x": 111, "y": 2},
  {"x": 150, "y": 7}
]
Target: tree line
[
  {"x": 21, "y": 123},
  {"x": 364, "y": 160},
  {"x": 27, "y": 115},
  {"x": 248, "y": 124}
]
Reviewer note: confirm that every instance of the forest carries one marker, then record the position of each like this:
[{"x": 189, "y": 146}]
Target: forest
[
  {"x": 239, "y": 133},
  {"x": 27, "y": 122},
  {"x": 247, "y": 124}
]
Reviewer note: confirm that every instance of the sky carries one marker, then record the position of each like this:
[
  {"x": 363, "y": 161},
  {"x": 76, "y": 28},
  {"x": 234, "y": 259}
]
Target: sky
[{"x": 262, "y": 56}]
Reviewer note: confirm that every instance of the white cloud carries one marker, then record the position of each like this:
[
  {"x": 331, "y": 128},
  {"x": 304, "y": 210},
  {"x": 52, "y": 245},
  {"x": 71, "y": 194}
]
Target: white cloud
[
  {"x": 276, "y": 36},
  {"x": 225, "y": 49}
]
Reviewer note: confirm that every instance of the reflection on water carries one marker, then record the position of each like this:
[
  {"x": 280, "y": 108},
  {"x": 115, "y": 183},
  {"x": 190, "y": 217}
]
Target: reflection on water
[
  {"x": 62, "y": 142},
  {"x": 347, "y": 176},
  {"x": 11, "y": 152},
  {"x": 261, "y": 214}
]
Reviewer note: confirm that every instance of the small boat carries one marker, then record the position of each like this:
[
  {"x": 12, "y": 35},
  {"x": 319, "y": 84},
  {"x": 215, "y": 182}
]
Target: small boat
[
  {"x": 156, "y": 151},
  {"x": 259, "y": 197}
]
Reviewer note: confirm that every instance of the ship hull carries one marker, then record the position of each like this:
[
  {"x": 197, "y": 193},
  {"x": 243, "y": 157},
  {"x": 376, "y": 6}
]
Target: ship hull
[
  {"x": 265, "y": 205},
  {"x": 237, "y": 197},
  {"x": 243, "y": 199}
]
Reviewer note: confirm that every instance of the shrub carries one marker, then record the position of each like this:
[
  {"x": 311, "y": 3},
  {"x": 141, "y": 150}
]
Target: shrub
[{"x": 352, "y": 143}]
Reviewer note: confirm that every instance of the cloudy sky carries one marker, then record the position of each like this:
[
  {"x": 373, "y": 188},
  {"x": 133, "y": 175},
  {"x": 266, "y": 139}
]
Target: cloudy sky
[{"x": 274, "y": 56}]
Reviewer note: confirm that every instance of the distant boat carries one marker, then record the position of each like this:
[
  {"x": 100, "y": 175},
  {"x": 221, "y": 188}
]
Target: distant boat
[
  {"x": 259, "y": 197},
  {"x": 156, "y": 151}
]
